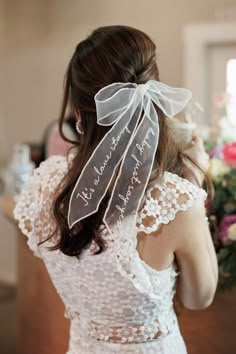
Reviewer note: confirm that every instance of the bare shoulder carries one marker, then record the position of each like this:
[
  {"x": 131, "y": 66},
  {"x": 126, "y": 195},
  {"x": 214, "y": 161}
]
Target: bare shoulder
[
  {"x": 189, "y": 227},
  {"x": 172, "y": 208},
  {"x": 186, "y": 202}
]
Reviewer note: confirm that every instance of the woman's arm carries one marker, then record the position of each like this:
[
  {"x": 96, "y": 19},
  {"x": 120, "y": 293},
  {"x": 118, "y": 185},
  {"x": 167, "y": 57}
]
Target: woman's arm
[
  {"x": 195, "y": 257},
  {"x": 197, "y": 153}
]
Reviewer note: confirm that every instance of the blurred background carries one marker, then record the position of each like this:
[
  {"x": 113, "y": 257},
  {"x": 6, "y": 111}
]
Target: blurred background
[{"x": 195, "y": 41}]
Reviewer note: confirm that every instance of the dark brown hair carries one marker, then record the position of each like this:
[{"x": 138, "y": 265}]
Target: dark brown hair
[{"x": 110, "y": 54}]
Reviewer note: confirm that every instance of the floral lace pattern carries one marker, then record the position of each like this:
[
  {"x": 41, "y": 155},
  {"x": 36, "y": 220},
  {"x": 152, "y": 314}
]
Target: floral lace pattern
[
  {"x": 116, "y": 302},
  {"x": 33, "y": 210},
  {"x": 175, "y": 194}
]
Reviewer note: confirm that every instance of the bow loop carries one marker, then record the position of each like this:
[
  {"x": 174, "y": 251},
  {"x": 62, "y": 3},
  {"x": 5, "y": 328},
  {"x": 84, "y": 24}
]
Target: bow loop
[{"x": 112, "y": 101}]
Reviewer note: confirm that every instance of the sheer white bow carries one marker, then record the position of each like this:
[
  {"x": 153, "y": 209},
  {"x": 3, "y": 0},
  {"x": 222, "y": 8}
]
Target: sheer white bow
[{"x": 131, "y": 142}]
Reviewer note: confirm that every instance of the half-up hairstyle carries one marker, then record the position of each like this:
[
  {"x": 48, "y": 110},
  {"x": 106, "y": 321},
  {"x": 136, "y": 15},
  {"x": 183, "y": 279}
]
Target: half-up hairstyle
[{"x": 110, "y": 54}]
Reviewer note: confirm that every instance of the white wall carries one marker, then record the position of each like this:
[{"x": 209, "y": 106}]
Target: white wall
[
  {"x": 37, "y": 38},
  {"x": 7, "y": 249}
]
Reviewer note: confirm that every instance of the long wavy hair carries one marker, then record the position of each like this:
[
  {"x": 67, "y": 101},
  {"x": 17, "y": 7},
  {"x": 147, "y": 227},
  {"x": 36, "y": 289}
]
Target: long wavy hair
[{"x": 110, "y": 54}]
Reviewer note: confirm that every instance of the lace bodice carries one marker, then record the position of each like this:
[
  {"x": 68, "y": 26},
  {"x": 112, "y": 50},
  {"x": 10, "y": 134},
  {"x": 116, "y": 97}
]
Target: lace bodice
[{"x": 113, "y": 298}]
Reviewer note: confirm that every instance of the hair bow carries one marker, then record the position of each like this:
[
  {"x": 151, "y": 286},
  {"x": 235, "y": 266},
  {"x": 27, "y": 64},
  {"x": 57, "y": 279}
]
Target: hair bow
[{"x": 129, "y": 109}]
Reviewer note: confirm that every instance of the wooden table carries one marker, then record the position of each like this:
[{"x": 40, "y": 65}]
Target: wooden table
[{"x": 44, "y": 330}]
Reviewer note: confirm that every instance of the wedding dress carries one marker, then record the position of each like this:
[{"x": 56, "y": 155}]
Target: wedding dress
[{"x": 115, "y": 301}]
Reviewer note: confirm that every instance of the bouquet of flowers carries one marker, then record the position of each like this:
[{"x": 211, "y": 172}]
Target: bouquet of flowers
[{"x": 222, "y": 214}]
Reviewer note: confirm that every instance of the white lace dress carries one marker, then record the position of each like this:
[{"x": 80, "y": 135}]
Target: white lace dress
[{"x": 115, "y": 301}]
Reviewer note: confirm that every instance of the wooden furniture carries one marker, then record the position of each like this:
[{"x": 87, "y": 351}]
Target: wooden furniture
[
  {"x": 44, "y": 330},
  {"x": 42, "y": 327},
  {"x": 213, "y": 330}
]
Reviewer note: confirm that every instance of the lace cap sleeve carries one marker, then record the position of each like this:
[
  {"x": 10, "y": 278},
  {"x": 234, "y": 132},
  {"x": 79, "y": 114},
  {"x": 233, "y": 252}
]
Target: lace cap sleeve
[
  {"x": 33, "y": 209},
  {"x": 168, "y": 196}
]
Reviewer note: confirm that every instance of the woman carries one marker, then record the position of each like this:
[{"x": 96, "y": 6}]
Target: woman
[{"x": 121, "y": 224}]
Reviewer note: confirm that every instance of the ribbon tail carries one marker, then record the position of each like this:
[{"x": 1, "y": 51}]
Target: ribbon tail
[
  {"x": 99, "y": 170},
  {"x": 135, "y": 170}
]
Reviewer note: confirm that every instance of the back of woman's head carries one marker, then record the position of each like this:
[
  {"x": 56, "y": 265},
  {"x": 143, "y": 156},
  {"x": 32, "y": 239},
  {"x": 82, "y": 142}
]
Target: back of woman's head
[{"x": 110, "y": 54}]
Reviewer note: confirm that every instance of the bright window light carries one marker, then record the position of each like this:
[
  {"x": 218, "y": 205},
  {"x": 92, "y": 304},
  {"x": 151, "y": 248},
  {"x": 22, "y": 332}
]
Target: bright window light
[{"x": 231, "y": 91}]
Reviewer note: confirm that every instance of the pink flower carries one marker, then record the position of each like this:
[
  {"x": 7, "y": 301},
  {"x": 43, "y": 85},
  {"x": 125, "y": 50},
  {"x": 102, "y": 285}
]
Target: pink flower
[
  {"x": 229, "y": 152},
  {"x": 226, "y": 222},
  {"x": 220, "y": 100}
]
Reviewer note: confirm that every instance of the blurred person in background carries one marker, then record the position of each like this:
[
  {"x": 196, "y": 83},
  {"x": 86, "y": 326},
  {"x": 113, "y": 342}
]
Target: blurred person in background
[
  {"x": 120, "y": 223},
  {"x": 53, "y": 143}
]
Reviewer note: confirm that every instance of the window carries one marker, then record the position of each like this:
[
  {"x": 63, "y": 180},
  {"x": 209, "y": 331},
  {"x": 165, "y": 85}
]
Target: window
[{"x": 231, "y": 91}]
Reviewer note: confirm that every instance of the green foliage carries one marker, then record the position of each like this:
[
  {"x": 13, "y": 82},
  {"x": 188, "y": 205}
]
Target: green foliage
[
  {"x": 227, "y": 266},
  {"x": 224, "y": 203},
  {"x": 225, "y": 195}
]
